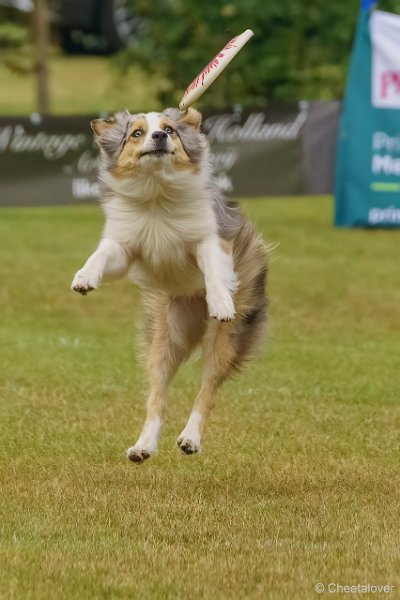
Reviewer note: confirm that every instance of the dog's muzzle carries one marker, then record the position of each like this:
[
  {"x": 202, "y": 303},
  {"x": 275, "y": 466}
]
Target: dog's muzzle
[
  {"x": 159, "y": 144},
  {"x": 160, "y": 140},
  {"x": 159, "y": 137}
]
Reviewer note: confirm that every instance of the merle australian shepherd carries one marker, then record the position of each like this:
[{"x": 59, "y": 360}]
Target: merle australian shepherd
[{"x": 199, "y": 262}]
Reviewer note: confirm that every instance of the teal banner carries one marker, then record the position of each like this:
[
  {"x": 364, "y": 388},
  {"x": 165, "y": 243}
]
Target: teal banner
[{"x": 367, "y": 187}]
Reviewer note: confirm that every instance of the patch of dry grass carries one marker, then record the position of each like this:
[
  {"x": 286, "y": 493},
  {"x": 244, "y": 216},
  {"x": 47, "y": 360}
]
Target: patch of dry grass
[{"x": 298, "y": 481}]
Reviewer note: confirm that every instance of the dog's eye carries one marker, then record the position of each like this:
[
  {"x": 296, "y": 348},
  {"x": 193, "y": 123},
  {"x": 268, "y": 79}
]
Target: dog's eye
[
  {"x": 137, "y": 133},
  {"x": 168, "y": 130}
]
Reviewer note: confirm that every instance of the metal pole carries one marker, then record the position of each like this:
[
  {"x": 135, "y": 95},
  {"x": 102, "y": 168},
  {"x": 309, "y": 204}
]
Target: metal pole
[{"x": 41, "y": 39}]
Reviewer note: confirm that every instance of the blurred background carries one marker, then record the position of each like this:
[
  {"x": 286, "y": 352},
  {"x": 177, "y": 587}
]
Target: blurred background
[
  {"x": 64, "y": 62},
  {"x": 272, "y": 118},
  {"x": 105, "y": 54}
]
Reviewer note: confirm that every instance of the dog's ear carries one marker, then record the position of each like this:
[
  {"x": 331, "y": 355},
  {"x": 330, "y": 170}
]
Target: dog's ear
[
  {"x": 111, "y": 133},
  {"x": 192, "y": 117},
  {"x": 99, "y": 126}
]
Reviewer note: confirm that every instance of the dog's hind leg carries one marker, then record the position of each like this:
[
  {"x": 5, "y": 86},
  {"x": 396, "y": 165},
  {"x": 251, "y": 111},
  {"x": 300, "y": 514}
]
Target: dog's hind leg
[
  {"x": 219, "y": 356},
  {"x": 226, "y": 346},
  {"x": 173, "y": 328}
]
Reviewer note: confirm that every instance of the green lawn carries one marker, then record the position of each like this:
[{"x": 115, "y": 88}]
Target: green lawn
[
  {"x": 298, "y": 482},
  {"x": 78, "y": 85}
]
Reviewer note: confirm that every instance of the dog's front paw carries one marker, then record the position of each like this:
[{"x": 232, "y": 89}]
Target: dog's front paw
[
  {"x": 85, "y": 281},
  {"x": 221, "y": 307},
  {"x": 188, "y": 445},
  {"x": 138, "y": 453}
]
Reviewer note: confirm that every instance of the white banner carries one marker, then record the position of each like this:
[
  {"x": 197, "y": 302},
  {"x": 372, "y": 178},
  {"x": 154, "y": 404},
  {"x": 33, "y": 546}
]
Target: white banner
[{"x": 385, "y": 76}]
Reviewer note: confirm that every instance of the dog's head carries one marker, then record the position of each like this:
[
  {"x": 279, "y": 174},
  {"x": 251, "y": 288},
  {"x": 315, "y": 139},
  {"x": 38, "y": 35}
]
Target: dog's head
[{"x": 132, "y": 143}]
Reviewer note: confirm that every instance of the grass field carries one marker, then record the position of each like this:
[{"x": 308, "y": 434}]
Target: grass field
[
  {"x": 298, "y": 482},
  {"x": 77, "y": 85}
]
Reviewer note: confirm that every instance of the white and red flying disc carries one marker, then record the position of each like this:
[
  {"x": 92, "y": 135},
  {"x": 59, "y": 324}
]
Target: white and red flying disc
[{"x": 214, "y": 68}]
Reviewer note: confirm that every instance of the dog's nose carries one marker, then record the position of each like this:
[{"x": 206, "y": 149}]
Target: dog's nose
[{"x": 159, "y": 136}]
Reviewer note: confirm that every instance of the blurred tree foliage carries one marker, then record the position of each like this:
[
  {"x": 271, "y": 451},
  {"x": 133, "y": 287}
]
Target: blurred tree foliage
[
  {"x": 15, "y": 38},
  {"x": 14, "y": 32},
  {"x": 300, "y": 49}
]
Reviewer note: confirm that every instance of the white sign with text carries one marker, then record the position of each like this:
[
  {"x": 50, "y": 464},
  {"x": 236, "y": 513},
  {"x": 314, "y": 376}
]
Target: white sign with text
[{"x": 385, "y": 40}]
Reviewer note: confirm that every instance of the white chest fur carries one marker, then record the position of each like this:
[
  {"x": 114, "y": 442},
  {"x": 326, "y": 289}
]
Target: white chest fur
[{"x": 160, "y": 230}]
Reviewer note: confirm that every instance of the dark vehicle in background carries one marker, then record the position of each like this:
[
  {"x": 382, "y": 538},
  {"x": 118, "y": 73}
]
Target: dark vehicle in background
[
  {"x": 95, "y": 26},
  {"x": 88, "y": 26}
]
